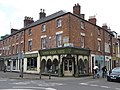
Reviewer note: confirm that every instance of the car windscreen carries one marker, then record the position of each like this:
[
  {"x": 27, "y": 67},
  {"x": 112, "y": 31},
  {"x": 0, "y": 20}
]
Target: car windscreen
[{"x": 116, "y": 70}]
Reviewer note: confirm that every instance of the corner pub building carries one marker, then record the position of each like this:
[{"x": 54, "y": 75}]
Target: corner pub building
[{"x": 58, "y": 42}]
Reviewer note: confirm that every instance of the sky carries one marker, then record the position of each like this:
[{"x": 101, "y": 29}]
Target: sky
[{"x": 12, "y": 12}]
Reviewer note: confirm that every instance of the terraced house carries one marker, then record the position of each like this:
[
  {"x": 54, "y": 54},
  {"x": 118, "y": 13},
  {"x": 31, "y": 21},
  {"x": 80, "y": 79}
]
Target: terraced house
[{"x": 62, "y": 42}]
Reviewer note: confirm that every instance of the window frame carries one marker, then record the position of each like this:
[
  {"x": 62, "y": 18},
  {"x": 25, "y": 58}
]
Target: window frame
[
  {"x": 59, "y": 22},
  {"x": 43, "y": 27},
  {"x": 30, "y": 45},
  {"x": 59, "y": 40}
]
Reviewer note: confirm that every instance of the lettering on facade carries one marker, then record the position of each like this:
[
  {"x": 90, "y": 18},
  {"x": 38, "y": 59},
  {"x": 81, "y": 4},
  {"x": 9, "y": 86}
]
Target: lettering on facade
[
  {"x": 31, "y": 55},
  {"x": 64, "y": 51}
]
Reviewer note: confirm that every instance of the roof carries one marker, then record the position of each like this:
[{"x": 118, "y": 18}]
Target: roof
[
  {"x": 42, "y": 20},
  {"x": 52, "y": 16}
]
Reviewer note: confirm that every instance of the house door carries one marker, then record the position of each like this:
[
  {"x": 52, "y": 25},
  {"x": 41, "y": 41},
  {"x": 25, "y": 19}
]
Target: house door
[{"x": 68, "y": 67}]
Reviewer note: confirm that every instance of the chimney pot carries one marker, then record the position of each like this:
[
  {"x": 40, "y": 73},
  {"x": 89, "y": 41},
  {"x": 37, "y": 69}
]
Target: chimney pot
[{"x": 76, "y": 9}]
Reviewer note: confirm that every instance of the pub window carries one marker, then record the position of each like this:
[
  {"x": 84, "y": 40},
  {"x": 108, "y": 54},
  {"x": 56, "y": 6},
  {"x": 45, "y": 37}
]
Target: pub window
[{"x": 32, "y": 63}]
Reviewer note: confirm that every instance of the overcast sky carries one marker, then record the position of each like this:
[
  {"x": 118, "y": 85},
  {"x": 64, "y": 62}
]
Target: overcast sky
[{"x": 12, "y": 12}]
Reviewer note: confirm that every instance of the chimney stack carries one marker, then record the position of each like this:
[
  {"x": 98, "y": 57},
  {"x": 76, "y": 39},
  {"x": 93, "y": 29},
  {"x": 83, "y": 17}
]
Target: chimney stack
[
  {"x": 92, "y": 19},
  {"x": 76, "y": 9},
  {"x": 42, "y": 13},
  {"x": 14, "y": 30},
  {"x": 28, "y": 21},
  {"x": 104, "y": 26}
]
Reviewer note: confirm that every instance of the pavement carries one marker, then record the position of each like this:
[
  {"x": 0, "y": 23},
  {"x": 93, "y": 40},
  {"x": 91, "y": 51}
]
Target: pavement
[{"x": 16, "y": 75}]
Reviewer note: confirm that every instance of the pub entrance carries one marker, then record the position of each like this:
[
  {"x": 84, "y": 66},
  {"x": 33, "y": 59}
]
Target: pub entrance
[{"x": 68, "y": 66}]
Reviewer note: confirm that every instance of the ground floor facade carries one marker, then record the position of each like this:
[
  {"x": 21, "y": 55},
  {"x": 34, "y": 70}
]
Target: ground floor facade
[{"x": 67, "y": 61}]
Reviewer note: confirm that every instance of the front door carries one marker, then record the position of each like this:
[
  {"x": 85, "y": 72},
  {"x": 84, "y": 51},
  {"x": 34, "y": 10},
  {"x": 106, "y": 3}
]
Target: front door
[{"x": 68, "y": 67}]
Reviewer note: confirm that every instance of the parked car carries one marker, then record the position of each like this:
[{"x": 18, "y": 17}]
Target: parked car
[{"x": 114, "y": 74}]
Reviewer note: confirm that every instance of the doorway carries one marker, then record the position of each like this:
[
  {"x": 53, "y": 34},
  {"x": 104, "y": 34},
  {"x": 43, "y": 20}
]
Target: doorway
[{"x": 68, "y": 67}]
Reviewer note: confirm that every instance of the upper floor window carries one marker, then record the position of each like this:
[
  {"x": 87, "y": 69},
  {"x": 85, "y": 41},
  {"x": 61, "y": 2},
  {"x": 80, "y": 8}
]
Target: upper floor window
[
  {"x": 43, "y": 41},
  {"x": 30, "y": 32},
  {"x": 82, "y": 42},
  {"x": 17, "y": 48},
  {"x": 98, "y": 31},
  {"x": 17, "y": 37},
  {"x": 59, "y": 40},
  {"x": 59, "y": 22},
  {"x": 99, "y": 45},
  {"x": 22, "y": 34},
  {"x": 43, "y": 28},
  {"x": 82, "y": 25},
  {"x": 30, "y": 45}
]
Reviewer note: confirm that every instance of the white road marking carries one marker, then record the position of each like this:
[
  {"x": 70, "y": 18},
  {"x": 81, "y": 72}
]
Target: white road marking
[
  {"x": 92, "y": 81},
  {"x": 94, "y": 85},
  {"x": 50, "y": 89},
  {"x": 104, "y": 86},
  {"x": 30, "y": 88},
  {"x": 50, "y": 84},
  {"x": 21, "y": 83},
  {"x": 17, "y": 89},
  {"x": 117, "y": 88},
  {"x": 83, "y": 83}
]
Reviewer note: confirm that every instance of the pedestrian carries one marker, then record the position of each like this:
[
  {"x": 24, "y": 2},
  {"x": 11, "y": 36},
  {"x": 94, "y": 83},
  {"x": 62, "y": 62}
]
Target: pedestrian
[
  {"x": 4, "y": 67},
  {"x": 104, "y": 71},
  {"x": 96, "y": 72}
]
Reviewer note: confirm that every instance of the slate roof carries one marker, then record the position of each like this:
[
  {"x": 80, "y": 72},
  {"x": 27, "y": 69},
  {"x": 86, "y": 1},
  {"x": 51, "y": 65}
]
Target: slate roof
[{"x": 52, "y": 16}]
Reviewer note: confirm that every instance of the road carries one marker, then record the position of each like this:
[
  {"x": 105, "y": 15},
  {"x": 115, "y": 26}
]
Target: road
[
  {"x": 59, "y": 84},
  {"x": 66, "y": 83}
]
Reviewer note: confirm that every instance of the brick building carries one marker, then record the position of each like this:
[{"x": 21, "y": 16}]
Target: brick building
[{"x": 63, "y": 42}]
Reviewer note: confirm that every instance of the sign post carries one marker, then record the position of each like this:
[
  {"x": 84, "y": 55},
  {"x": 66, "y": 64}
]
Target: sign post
[{"x": 21, "y": 57}]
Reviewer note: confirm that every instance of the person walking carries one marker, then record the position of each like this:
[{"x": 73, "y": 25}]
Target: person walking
[
  {"x": 104, "y": 71},
  {"x": 96, "y": 72}
]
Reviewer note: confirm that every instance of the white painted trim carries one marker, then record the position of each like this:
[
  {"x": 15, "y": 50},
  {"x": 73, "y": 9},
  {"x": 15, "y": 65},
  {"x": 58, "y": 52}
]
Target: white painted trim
[
  {"x": 32, "y": 52},
  {"x": 99, "y": 39},
  {"x": 43, "y": 36},
  {"x": 82, "y": 34},
  {"x": 60, "y": 32}
]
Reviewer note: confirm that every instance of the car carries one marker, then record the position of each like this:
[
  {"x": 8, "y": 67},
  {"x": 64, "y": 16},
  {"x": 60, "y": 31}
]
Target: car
[{"x": 114, "y": 74}]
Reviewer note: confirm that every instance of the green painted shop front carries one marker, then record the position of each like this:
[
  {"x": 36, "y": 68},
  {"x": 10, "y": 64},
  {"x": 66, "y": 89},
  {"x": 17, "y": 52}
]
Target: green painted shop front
[{"x": 67, "y": 61}]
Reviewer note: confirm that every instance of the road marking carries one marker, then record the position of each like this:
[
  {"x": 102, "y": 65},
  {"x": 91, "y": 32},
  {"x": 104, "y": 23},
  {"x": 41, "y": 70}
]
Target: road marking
[
  {"x": 17, "y": 89},
  {"x": 94, "y": 85},
  {"x": 21, "y": 83},
  {"x": 104, "y": 86},
  {"x": 83, "y": 83},
  {"x": 50, "y": 89},
  {"x": 92, "y": 81},
  {"x": 31, "y": 88},
  {"x": 117, "y": 88},
  {"x": 50, "y": 84}
]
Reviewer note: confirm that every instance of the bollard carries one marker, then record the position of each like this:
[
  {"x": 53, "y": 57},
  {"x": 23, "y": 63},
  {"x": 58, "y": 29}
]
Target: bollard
[{"x": 50, "y": 74}]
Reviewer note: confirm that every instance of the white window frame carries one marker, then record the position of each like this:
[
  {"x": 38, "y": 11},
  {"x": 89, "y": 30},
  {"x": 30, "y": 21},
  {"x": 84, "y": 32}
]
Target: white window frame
[
  {"x": 43, "y": 42},
  {"x": 59, "y": 40},
  {"x": 99, "y": 45},
  {"x": 82, "y": 25},
  {"x": 59, "y": 22},
  {"x": 30, "y": 45},
  {"x": 43, "y": 27},
  {"x": 82, "y": 41}
]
